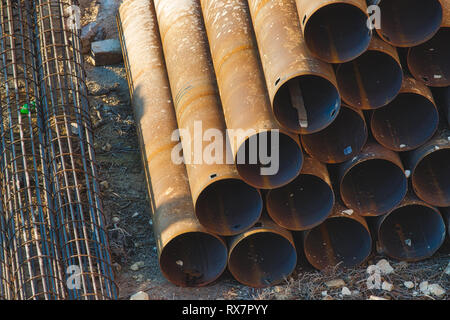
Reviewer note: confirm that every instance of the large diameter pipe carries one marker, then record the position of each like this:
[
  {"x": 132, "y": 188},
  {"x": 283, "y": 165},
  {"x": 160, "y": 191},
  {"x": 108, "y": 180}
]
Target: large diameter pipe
[
  {"x": 304, "y": 203},
  {"x": 373, "y": 182},
  {"x": 429, "y": 62},
  {"x": 262, "y": 256},
  {"x": 409, "y": 121},
  {"x": 336, "y": 31},
  {"x": 341, "y": 140},
  {"x": 188, "y": 254},
  {"x": 408, "y": 23},
  {"x": 373, "y": 79},
  {"x": 246, "y": 104},
  {"x": 343, "y": 239},
  {"x": 302, "y": 89},
  {"x": 413, "y": 231},
  {"x": 430, "y": 170},
  {"x": 223, "y": 202}
]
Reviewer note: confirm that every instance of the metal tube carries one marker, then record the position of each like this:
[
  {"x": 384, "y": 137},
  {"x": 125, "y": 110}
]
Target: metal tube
[
  {"x": 263, "y": 256},
  {"x": 246, "y": 105},
  {"x": 223, "y": 202},
  {"x": 408, "y": 23},
  {"x": 430, "y": 170},
  {"x": 304, "y": 203},
  {"x": 373, "y": 182},
  {"x": 373, "y": 79},
  {"x": 341, "y": 140},
  {"x": 335, "y": 30},
  {"x": 188, "y": 254},
  {"x": 409, "y": 120},
  {"x": 342, "y": 239},
  {"x": 302, "y": 89},
  {"x": 413, "y": 231}
]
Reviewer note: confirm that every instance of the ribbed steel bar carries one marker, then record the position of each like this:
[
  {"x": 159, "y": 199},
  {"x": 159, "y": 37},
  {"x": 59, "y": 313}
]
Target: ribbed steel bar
[
  {"x": 6, "y": 292},
  {"x": 26, "y": 197},
  {"x": 75, "y": 189}
]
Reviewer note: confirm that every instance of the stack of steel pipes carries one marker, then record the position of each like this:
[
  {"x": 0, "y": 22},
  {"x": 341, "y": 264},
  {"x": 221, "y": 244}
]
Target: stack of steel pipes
[
  {"x": 53, "y": 240},
  {"x": 362, "y": 143}
]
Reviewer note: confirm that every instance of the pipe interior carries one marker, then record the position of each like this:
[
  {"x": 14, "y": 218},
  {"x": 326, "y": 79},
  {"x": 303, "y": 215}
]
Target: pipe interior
[
  {"x": 228, "y": 206},
  {"x": 340, "y": 141},
  {"x": 409, "y": 22},
  {"x": 412, "y": 232},
  {"x": 262, "y": 259},
  {"x": 338, "y": 240},
  {"x": 431, "y": 178},
  {"x": 302, "y": 204},
  {"x": 371, "y": 81},
  {"x": 337, "y": 32},
  {"x": 374, "y": 187},
  {"x": 406, "y": 123},
  {"x": 193, "y": 259},
  {"x": 321, "y": 98}
]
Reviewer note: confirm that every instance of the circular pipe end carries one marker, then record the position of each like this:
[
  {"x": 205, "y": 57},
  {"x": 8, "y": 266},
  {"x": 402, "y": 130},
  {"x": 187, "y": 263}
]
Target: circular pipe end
[
  {"x": 303, "y": 204},
  {"x": 228, "y": 206},
  {"x": 193, "y": 259},
  {"x": 283, "y": 153},
  {"x": 337, "y": 33}
]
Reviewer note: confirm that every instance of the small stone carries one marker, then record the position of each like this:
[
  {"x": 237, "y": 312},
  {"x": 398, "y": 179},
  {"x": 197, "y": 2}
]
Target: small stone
[
  {"x": 115, "y": 220},
  {"x": 324, "y": 293},
  {"x": 135, "y": 214},
  {"x": 336, "y": 283},
  {"x": 408, "y": 284},
  {"x": 107, "y": 147},
  {"x": 415, "y": 293},
  {"x": 374, "y": 281},
  {"x": 328, "y": 298},
  {"x": 385, "y": 267},
  {"x": 376, "y": 298},
  {"x": 348, "y": 212},
  {"x": 106, "y": 52},
  {"x": 141, "y": 295},
  {"x": 372, "y": 269},
  {"x": 104, "y": 184},
  {"x": 423, "y": 286},
  {"x": 346, "y": 291},
  {"x": 436, "y": 290},
  {"x": 138, "y": 265},
  {"x": 386, "y": 286},
  {"x": 447, "y": 270}
]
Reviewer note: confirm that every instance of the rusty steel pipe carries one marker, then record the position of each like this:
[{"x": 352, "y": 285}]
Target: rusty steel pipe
[
  {"x": 302, "y": 88},
  {"x": 244, "y": 96},
  {"x": 262, "y": 256},
  {"x": 430, "y": 170},
  {"x": 409, "y": 120},
  {"x": 408, "y": 23},
  {"x": 223, "y": 202},
  {"x": 413, "y": 231},
  {"x": 373, "y": 79},
  {"x": 344, "y": 239},
  {"x": 373, "y": 182},
  {"x": 305, "y": 202},
  {"x": 188, "y": 254},
  {"x": 335, "y": 30},
  {"x": 341, "y": 140}
]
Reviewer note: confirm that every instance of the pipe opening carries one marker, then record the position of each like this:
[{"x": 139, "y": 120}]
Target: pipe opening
[
  {"x": 371, "y": 81},
  {"x": 228, "y": 207},
  {"x": 337, "y": 240},
  {"x": 374, "y": 187},
  {"x": 262, "y": 259},
  {"x": 193, "y": 259},
  {"x": 302, "y": 204},
  {"x": 430, "y": 61},
  {"x": 321, "y": 102},
  {"x": 406, "y": 123},
  {"x": 412, "y": 232},
  {"x": 408, "y": 23},
  {"x": 285, "y": 156},
  {"x": 340, "y": 141},
  {"x": 431, "y": 178},
  {"x": 337, "y": 32}
]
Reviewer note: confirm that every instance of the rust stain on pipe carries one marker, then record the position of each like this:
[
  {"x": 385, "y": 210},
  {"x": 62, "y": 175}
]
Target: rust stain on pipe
[
  {"x": 300, "y": 86},
  {"x": 335, "y": 30},
  {"x": 263, "y": 256},
  {"x": 409, "y": 121},
  {"x": 304, "y": 203},
  {"x": 373, "y": 182},
  {"x": 343, "y": 239},
  {"x": 373, "y": 79},
  {"x": 413, "y": 231},
  {"x": 341, "y": 140},
  {"x": 246, "y": 104},
  {"x": 188, "y": 254},
  {"x": 223, "y": 202}
]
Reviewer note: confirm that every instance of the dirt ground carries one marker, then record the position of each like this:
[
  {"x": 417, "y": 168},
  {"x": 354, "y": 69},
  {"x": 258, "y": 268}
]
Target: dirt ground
[{"x": 127, "y": 208}]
